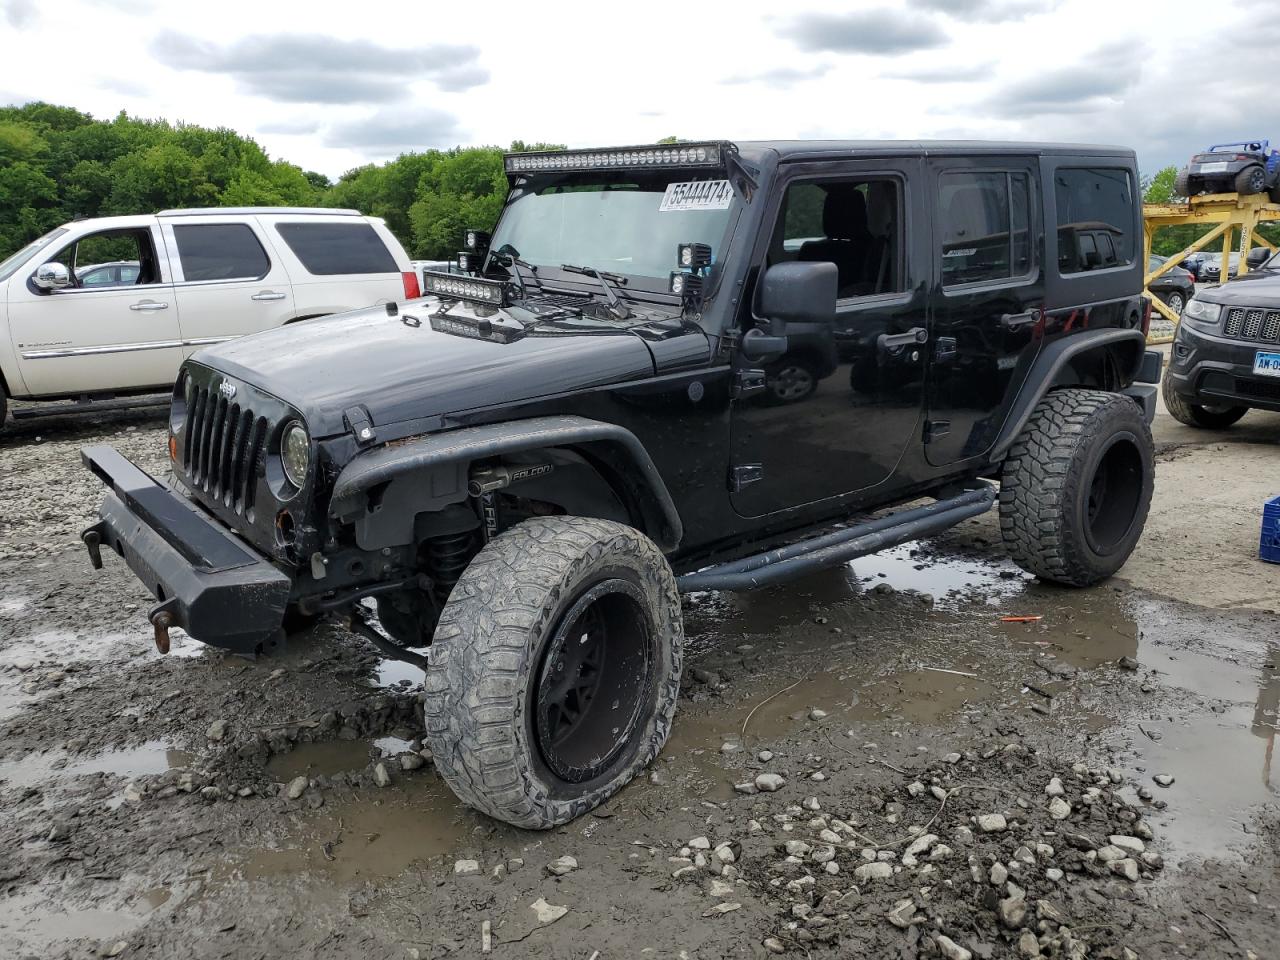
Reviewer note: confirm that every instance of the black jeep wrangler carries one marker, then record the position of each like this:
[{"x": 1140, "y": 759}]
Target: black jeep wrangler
[
  {"x": 524, "y": 468},
  {"x": 1226, "y": 354}
]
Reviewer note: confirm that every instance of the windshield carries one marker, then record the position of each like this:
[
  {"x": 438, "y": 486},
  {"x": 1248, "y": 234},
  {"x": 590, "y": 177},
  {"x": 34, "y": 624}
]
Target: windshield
[
  {"x": 627, "y": 223},
  {"x": 10, "y": 266}
]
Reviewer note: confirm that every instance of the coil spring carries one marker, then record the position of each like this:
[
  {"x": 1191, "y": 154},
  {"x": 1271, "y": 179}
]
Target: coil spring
[{"x": 447, "y": 557}]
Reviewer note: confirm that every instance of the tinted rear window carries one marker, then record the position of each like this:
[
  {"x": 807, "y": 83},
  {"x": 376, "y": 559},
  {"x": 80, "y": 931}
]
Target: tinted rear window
[
  {"x": 220, "y": 251},
  {"x": 1095, "y": 203},
  {"x": 326, "y": 249}
]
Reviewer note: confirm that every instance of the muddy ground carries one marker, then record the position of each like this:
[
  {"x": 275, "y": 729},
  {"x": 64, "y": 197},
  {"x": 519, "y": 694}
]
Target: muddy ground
[{"x": 947, "y": 784}]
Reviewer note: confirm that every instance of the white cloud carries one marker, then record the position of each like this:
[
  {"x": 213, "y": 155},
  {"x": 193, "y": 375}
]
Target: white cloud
[{"x": 330, "y": 91}]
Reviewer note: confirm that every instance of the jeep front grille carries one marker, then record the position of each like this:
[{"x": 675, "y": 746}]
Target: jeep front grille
[
  {"x": 224, "y": 446},
  {"x": 1252, "y": 323}
]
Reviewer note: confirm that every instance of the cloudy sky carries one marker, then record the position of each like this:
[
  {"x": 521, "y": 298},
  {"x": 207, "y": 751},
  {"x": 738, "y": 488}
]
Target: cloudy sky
[{"x": 330, "y": 86}]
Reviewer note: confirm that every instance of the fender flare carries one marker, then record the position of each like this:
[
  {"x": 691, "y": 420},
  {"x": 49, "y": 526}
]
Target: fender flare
[
  {"x": 458, "y": 448},
  {"x": 1049, "y": 365}
]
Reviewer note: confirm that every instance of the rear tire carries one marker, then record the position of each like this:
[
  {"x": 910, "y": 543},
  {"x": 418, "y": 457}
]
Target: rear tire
[
  {"x": 1251, "y": 180},
  {"x": 555, "y": 669},
  {"x": 1182, "y": 183},
  {"x": 1176, "y": 302},
  {"x": 1196, "y": 415},
  {"x": 1076, "y": 487}
]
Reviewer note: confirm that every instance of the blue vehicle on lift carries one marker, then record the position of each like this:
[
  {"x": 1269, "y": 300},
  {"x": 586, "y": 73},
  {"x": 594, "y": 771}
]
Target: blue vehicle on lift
[{"x": 1246, "y": 167}]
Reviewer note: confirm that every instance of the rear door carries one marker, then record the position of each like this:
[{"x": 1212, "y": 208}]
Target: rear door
[
  {"x": 339, "y": 262},
  {"x": 118, "y": 333},
  {"x": 988, "y": 298},
  {"x": 228, "y": 278}
]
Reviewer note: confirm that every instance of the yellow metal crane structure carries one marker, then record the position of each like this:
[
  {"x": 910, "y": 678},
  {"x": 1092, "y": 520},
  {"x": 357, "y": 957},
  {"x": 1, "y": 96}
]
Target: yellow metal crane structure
[{"x": 1226, "y": 213}]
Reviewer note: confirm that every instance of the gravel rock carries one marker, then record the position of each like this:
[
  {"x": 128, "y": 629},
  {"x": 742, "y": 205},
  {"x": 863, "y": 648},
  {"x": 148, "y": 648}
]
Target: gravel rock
[
  {"x": 411, "y": 761},
  {"x": 1028, "y": 945},
  {"x": 764, "y": 756},
  {"x": 1132, "y": 844},
  {"x": 698, "y": 843},
  {"x": 1055, "y": 787},
  {"x": 902, "y": 912},
  {"x": 952, "y": 950},
  {"x": 992, "y": 823},
  {"x": 1125, "y": 868},
  {"x": 998, "y": 875},
  {"x": 562, "y": 865},
  {"x": 466, "y": 868},
  {"x": 873, "y": 871},
  {"x": 217, "y": 730},
  {"x": 1059, "y": 809},
  {"x": 1013, "y": 912},
  {"x": 297, "y": 787},
  {"x": 816, "y": 714},
  {"x": 770, "y": 782},
  {"x": 1163, "y": 780}
]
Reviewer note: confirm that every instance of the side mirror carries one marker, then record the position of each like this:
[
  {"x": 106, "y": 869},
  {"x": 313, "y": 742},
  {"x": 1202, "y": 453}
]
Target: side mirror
[
  {"x": 798, "y": 293},
  {"x": 52, "y": 276},
  {"x": 1257, "y": 257}
]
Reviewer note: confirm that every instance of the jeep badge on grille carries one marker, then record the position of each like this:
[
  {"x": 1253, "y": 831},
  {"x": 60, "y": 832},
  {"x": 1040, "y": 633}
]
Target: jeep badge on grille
[{"x": 227, "y": 389}]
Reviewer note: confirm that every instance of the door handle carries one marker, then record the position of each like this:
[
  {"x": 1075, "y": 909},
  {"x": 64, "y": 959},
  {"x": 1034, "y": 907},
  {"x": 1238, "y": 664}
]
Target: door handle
[
  {"x": 268, "y": 295},
  {"x": 148, "y": 305},
  {"x": 890, "y": 341},
  {"x": 1016, "y": 321}
]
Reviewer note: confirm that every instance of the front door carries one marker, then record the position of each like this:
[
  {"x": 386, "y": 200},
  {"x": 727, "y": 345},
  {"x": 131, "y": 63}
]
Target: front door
[
  {"x": 115, "y": 328},
  {"x": 230, "y": 281},
  {"x": 843, "y": 404},
  {"x": 988, "y": 317}
]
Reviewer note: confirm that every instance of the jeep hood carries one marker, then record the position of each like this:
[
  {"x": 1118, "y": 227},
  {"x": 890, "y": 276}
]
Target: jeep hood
[
  {"x": 401, "y": 372},
  {"x": 1257, "y": 288}
]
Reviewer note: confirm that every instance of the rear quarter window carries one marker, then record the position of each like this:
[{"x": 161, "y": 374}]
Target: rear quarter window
[
  {"x": 328, "y": 249},
  {"x": 1095, "y": 210},
  {"x": 220, "y": 251}
]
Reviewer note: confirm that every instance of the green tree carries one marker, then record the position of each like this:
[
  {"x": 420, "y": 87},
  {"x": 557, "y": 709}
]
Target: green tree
[{"x": 1159, "y": 188}]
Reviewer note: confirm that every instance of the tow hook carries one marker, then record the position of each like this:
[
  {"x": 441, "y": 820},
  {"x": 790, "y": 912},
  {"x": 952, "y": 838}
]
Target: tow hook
[
  {"x": 162, "y": 619},
  {"x": 93, "y": 542}
]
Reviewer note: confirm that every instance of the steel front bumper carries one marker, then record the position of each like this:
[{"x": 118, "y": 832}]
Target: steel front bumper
[{"x": 208, "y": 582}]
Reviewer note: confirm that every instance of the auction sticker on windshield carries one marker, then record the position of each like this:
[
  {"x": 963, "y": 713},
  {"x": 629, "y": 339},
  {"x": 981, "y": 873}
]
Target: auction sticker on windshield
[
  {"x": 697, "y": 195},
  {"x": 1266, "y": 364}
]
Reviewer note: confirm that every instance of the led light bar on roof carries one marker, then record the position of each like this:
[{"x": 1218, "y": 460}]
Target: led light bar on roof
[{"x": 623, "y": 158}]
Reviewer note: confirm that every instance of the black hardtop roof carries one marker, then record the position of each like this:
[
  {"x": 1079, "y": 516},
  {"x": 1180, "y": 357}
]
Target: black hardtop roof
[{"x": 795, "y": 149}]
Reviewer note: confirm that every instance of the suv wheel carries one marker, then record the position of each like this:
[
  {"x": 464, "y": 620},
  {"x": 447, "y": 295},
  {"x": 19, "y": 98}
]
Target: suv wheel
[
  {"x": 1076, "y": 487},
  {"x": 790, "y": 380},
  {"x": 1182, "y": 183},
  {"x": 1251, "y": 180},
  {"x": 554, "y": 670},
  {"x": 1208, "y": 417}
]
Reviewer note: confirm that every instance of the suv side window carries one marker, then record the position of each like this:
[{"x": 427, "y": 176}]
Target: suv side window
[
  {"x": 855, "y": 224},
  {"x": 329, "y": 249},
  {"x": 220, "y": 251},
  {"x": 985, "y": 219},
  {"x": 1095, "y": 215}
]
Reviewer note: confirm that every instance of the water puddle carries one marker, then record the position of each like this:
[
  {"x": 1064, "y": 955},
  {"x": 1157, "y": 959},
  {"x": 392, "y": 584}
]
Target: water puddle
[
  {"x": 34, "y": 921},
  {"x": 153, "y": 757},
  {"x": 329, "y": 757}
]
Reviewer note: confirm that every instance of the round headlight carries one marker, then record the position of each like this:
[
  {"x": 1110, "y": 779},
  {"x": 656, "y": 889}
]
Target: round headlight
[{"x": 295, "y": 454}]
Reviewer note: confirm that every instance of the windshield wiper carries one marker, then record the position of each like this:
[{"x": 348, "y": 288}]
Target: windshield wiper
[
  {"x": 508, "y": 257},
  {"x": 616, "y": 308}
]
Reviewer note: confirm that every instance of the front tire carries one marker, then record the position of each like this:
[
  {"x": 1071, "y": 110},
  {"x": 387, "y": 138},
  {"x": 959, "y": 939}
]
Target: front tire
[
  {"x": 1197, "y": 415},
  {"x": 1077, "y": 486},
  {"x": 1182, "y": 183},
  {"x": 555, "y": 669}
]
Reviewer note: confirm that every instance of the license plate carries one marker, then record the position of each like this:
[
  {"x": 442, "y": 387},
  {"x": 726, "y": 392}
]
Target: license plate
[
  {"x": 1214, "y": 167},
  {"x": 1266, "y": 364}
]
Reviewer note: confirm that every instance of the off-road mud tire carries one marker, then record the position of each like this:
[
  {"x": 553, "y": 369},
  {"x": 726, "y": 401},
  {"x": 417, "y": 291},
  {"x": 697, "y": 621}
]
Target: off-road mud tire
[
  {"x": 1049, "y": 476},
  {"x": 485, "y": 661},
  {"x": 1195, "y": 415},
  {"x": 1251, "y": 180},
  {"x": 1182, "y": 183},
  {"x": 4, "y": 408}
]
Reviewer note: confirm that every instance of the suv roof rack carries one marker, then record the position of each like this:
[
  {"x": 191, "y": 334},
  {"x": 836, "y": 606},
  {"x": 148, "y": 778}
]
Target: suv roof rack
[{"x": 239, "y": 211}]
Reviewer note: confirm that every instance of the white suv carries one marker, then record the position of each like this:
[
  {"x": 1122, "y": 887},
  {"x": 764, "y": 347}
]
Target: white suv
[{"x": 112, "y": 306}]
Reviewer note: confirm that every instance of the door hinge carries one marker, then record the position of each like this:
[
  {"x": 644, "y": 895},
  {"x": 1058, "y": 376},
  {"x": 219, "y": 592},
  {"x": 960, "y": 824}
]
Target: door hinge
[
  {"x": 745, "y": 474},
  {"x": 747, "y": 382},
  {"x": 933, "y": 429}
]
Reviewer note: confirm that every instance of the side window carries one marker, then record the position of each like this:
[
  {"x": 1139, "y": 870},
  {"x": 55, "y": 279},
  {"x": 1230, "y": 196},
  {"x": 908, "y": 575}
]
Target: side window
[
  {"x": 1094, "y": 203},
  {"x": 114, "y": 258},
  {"x": 855, "y": 224},
  {"x": 326, "y": 249},
  {"x": 986, "y": 226},
  {"x": 220, "y": 251}
]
